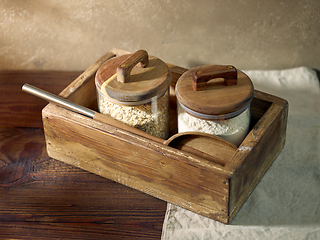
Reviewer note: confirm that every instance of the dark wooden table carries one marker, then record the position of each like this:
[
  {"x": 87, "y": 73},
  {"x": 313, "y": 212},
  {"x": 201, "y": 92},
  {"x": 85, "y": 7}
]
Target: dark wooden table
[{"x": 43, "y": 198}]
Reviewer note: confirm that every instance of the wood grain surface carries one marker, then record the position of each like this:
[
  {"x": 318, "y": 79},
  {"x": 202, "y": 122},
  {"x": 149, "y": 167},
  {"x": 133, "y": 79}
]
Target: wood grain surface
[
  {"x": 42, "y": 198},
  {"x": 19, "y": 109}
]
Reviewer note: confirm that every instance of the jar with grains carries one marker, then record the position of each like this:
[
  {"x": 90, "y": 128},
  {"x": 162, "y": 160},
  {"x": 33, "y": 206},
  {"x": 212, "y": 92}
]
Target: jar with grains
[
  {"x": 134, "y": 89},
  {"x": 215, "y": 99}
]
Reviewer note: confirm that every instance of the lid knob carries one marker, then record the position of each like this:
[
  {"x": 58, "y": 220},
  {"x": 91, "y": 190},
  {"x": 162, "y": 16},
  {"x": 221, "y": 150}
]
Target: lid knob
[
  {"x": 203, "y": 75},
  {"x": 124, "y": 69}
]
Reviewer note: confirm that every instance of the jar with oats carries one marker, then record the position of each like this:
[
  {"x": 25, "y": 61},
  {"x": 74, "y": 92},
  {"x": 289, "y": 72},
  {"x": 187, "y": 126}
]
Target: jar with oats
[
  {"x": 215, "y": 99},
  {"x": 134, "y": 89}
]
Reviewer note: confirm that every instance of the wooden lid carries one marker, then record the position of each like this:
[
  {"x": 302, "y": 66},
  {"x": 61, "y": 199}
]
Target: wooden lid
[
  {"x": 133, "y": 77},
  {"x": 214, "y": 90}
]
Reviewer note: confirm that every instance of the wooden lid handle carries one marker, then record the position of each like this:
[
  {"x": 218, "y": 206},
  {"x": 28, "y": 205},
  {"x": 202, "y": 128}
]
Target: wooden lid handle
[
  {"x": 124, "y": 69},
  {"x": 202, "y": 76}
]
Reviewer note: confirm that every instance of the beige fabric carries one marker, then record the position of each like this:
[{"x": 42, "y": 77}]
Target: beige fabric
[{"x": 286, "y": 202}]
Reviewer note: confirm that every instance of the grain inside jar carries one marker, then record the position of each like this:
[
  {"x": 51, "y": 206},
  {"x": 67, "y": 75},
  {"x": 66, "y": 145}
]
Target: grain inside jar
[{"x": 134, "y": 89}]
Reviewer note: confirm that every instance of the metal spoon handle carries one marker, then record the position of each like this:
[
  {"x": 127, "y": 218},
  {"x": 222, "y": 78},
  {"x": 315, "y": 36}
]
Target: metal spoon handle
[{"x": 57, "y": 100}]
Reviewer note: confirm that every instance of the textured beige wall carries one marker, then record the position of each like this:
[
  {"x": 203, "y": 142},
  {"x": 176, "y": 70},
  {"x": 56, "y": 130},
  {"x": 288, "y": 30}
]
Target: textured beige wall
[{"x": 71, "y": 35}]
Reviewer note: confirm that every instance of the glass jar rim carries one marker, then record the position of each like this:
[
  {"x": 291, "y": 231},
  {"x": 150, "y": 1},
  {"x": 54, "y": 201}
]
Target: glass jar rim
[
  {"x": 131, "y": 103},
  {"x": 215, "y": 117}
]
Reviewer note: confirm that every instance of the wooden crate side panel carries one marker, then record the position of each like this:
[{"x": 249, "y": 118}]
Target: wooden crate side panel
[
  {"x": 87, "y": 75},
  {"x": 159, "y": 174},
  {"x": 264, "y": 100},
  {"x": 82, "y": 90},
  {"x": 86, "y": 95},
  {"x": 256, "y": 154},
  {"x": 258, "y": 107}
]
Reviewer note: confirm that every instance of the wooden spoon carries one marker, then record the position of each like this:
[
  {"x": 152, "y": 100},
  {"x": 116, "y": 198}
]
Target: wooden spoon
[{"x": 202, "y": 145}]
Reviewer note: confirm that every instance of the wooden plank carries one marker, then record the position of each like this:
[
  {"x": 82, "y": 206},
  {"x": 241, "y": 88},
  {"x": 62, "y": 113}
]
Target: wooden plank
[
  {"x": 41, "y": 197},
  {"x": 19, "y": 109}
]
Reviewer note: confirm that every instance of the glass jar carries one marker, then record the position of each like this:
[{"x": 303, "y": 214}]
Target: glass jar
[
  {"x": 136, "y": 94},
  {"x": 215, "y": 99}
]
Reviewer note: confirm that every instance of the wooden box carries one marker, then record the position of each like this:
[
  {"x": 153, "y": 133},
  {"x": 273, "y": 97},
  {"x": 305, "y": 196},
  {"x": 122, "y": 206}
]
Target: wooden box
[{"x": 209, "y": 189}]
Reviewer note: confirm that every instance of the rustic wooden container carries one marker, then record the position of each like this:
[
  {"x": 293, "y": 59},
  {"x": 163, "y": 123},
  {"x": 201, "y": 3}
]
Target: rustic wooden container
[{"x": 207, "y": 188}]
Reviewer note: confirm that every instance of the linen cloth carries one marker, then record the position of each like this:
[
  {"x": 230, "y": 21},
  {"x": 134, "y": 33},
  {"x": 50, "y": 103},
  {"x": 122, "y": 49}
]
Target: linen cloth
[{"x": 286, "y": 202}]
